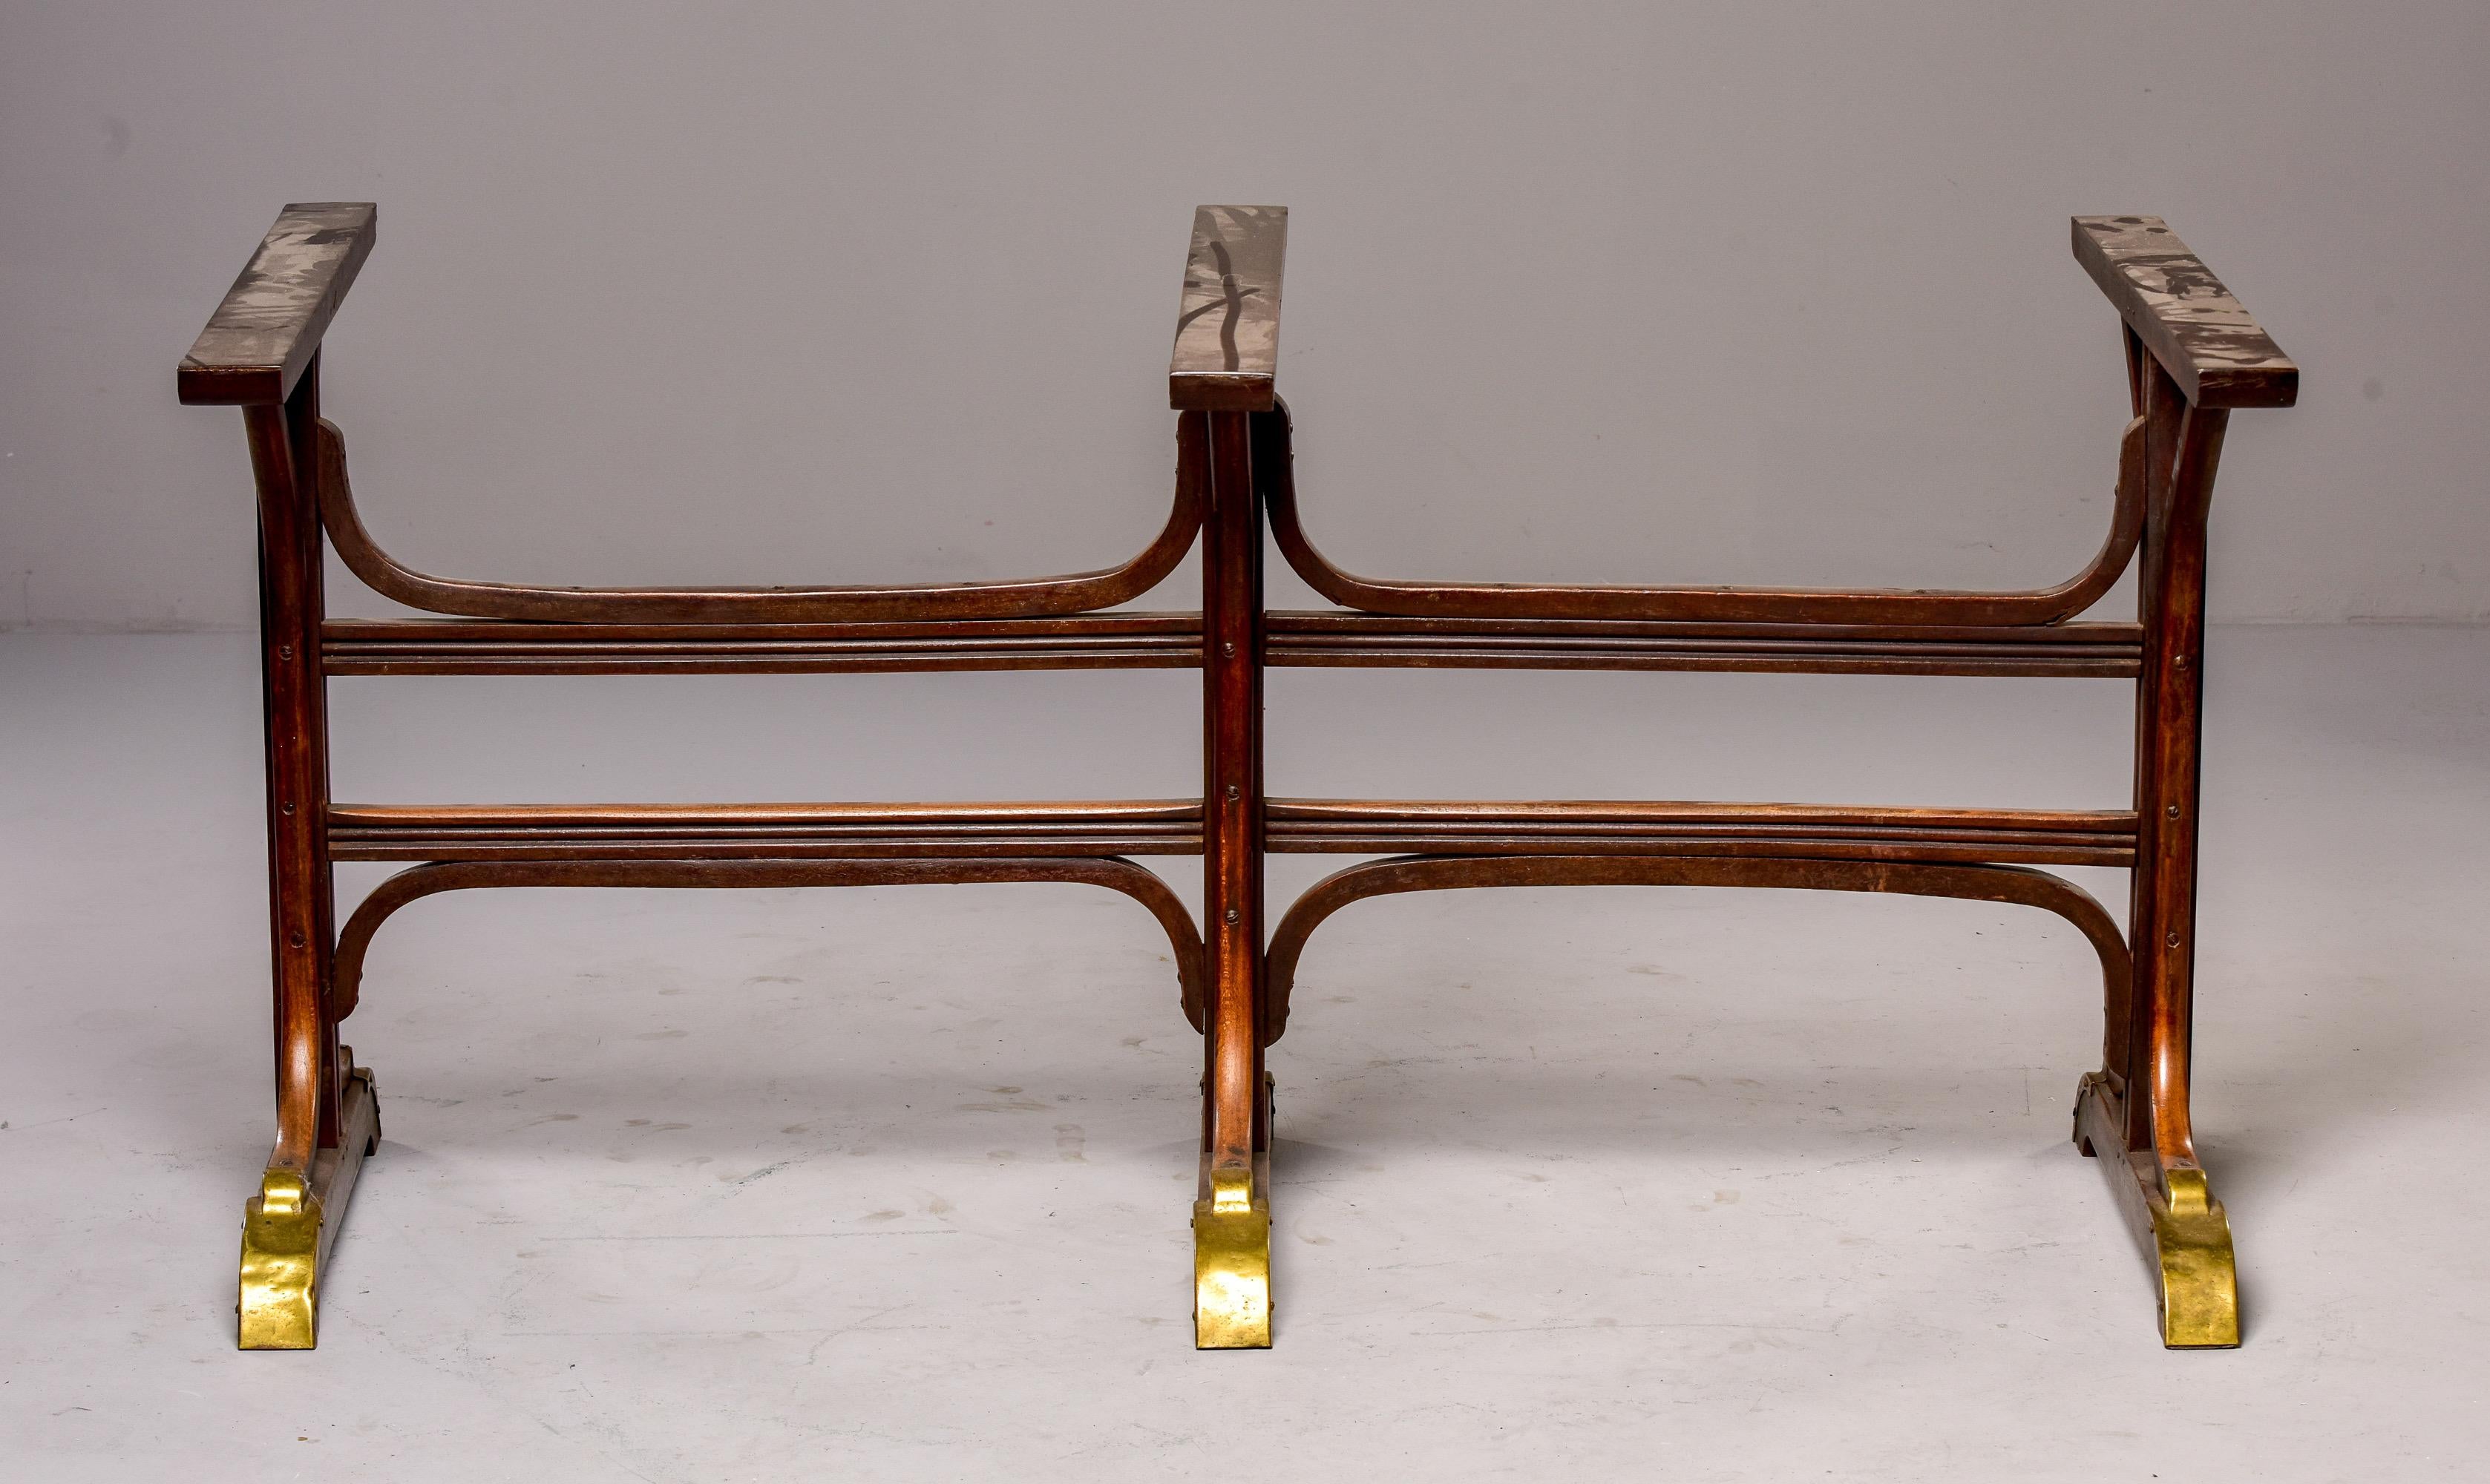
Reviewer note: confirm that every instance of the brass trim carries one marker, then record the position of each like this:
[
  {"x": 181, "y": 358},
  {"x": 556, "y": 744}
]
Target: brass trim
[
  {"x": 2183, "y": 1231},
  {"x": 1232, "y": 1258},
  {"x": 288, "y": 1230},
  {"x": 2200, "y": 1286},
  {"x": 280, "y": 1264}
]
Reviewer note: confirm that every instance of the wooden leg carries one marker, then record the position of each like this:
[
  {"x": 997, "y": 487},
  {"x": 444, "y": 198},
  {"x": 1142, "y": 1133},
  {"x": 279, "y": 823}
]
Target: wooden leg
[
  {"x": 1232, "y": 1214},
  {"x": 2137, "y": 1107},
  {"x": 326, "y": 1117}
]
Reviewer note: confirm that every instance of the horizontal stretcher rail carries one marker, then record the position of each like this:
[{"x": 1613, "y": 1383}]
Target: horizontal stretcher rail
[
  {"x": 1585, "y": 828},
  {"x": 1172, "y": 640},
  {"x": 399, "y": 647},
  {"x": 2090, "y": 650},
  {"x": 719, "y": 832}
]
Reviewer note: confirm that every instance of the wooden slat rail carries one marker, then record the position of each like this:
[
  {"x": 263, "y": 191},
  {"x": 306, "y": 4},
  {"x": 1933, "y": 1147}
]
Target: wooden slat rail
[
  {"x": 1568, "y": 827},
  {"x": 2097, "y": 651},
  {"x": 400, "y": 647},
  {"x": 1172, "y": 640},
  {"x": 720, "y": 832}
]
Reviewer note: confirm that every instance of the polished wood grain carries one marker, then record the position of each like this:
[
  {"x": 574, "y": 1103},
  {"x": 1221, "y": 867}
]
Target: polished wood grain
[
  {"x": 2188, "y": 444},
  {"x": 713, "y": 831},
  {"x": 262, "y": 337},
  {"x": 2211, "y": 348},
  {"x": 2191, "y": 354},
  {"x": 1454, "y": 873},
  {"x": 1227, "y": 355},
  {"x": 404, "y": 647},
  {"x": 1234, "y": 816},
  {"x": 1646, "y": 827},
  {"x": 1172, "y": 640},
  {"x": 354, "y": 940},
  {"x": 309, "y": 1079},
  {"x": 1275, "y": 467},
  {"x": 1079, "y": 593},
  {"x": 2072, "y": 650}
]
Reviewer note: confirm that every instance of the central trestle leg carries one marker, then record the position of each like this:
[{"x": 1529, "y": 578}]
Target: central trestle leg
[{"x": 1231, "y": 1217}]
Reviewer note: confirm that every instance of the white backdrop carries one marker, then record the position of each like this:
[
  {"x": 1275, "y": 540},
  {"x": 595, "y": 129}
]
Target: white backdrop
[{"x": 785, "y": 292}]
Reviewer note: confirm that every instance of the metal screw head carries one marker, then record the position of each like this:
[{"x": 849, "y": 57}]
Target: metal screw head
[
  {"x": 1231, "y": 914},
  {"x": 296, "y": 940},
  {"x": 2172, "y": 810},
  {"x": 2172, "y": 940},
  {"x": 287, "y": 808},
  {"x": 285, "y": 651}
]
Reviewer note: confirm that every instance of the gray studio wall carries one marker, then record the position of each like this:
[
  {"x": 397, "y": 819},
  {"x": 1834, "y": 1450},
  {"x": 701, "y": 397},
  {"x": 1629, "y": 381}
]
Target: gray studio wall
[{"x": 800, "y": 291}]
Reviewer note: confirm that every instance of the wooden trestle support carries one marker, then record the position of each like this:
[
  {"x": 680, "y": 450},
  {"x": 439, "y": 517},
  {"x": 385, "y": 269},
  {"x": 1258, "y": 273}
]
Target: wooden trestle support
[{"x": 2191, "y": 355}]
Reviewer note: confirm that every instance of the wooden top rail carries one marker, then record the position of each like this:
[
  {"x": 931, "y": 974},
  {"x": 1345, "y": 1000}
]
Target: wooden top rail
[
  {"x": 1228, "y": 332},
  {"x": 263, "y": 334},
  {"x": 2205, "y": 339}
]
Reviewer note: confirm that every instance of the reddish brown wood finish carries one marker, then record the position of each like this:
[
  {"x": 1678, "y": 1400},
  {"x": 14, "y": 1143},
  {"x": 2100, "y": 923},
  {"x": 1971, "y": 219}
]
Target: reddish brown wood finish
[
  {"x": 2073, "y": 650},
  {"x": 403, "y": 646},
  {"x": 309, "y": 1077},
  {"x": 2191, "y": 352},
  {"x": 783, "y": 832},
  {"x": 1029, "y": 597},
  {"x": 1110, "y": 871},
  {"x": 1275, "y": 465},
  {"x": 1436, "y": 873},
  {"x": 1626, "y": 828},
  {"x": 1232, "y": 813},
  {"x": 2186, "y": 444}
]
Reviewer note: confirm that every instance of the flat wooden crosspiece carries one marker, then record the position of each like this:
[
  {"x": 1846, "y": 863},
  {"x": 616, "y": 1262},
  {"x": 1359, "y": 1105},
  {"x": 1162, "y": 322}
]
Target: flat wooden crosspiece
[
  {"x": 2209, "y": 342},
  {"x": 266, "y": 332},
  {"x": 1228, "y": 332}
]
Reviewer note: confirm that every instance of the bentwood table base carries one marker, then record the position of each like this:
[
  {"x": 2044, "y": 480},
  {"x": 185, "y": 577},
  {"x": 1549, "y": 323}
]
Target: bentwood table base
[{"x": 2191, "y": 355}]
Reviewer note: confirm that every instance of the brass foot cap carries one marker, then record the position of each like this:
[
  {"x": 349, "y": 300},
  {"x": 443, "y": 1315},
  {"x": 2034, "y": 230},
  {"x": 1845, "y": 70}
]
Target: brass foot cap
[
  {"x": 280, "y": 1258},
  {"x": 1231, "y": 1265}
]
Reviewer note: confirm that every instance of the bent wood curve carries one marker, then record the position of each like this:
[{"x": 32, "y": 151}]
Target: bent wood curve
[
  {"x": 2014, "y": 884},
  {"x": 1274, "y": 472},
  {"x": 1019, "y": 598},
  {"x": 1114, "y": 872}
]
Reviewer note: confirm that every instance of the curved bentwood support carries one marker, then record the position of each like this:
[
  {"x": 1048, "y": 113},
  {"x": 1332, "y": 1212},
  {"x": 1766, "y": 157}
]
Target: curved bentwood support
[
  {"x": 1114, "y": 872},
  {"x": 2192, "y": 354},
  {"x": 1274, "y": 467},
  {"x": 261, "y": 351},
  {"x": 2016, "y": 884},
  {"x": 1024, "y": 598},
  {"x": 2189, "y": 1235}
]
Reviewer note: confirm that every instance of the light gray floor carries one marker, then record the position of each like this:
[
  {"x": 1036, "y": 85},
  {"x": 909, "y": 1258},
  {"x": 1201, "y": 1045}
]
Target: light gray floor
[{"x": 892, "y": 1184}]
